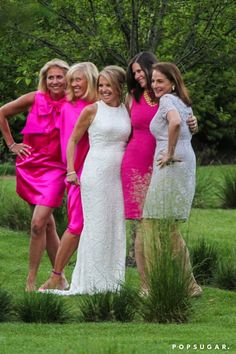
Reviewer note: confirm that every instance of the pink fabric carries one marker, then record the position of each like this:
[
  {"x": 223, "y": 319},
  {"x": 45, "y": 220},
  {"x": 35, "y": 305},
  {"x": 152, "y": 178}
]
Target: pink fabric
[
  {"x": 69, "y": 115},
  {"x": 138, "y": 159},
  {"x": 40, "y": 177}
]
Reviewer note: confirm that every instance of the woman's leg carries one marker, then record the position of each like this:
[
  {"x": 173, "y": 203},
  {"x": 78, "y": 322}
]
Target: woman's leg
[
  {"x": 68, "y": 245},
  {"x": 52, "y": 240},
  {"x": 40, "y": 219}
]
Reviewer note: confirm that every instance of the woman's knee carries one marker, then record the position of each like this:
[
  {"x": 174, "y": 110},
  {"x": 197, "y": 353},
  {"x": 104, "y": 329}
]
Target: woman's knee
[{"x": 38, "y": 226}]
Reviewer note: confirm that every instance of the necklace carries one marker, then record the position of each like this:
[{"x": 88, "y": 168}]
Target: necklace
[{"x": 151, "y": 101}]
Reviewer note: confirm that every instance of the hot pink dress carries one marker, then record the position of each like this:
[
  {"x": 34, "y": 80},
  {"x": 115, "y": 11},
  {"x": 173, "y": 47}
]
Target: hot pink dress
[
  {"x": 138, "y": 158},
  {"x": 69, "y": 115},
  {"x": 40, "y": 176}
]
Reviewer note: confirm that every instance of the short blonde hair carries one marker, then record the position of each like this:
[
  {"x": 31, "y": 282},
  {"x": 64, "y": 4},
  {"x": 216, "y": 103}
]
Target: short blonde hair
[
  {"x": 116, "y": 76},
  {"x": 42, "y": 86},
  {"x": 90, "y": 72}
]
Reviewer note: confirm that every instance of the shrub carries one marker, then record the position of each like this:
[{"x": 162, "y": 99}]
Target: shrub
[
  {"x": 125, "y": 304},
  {"x": 6, "y": 307},
  {"x": 7, "y": 169},
  {"x": 204, "y": 261},
  {"x": 97, "y": 307},
  {"x": 225, "y": 277},
  {"x": 43, "y": 308},
  {"x": 227, "y": 189},
  {"x": 205, "y": 192},
  {"x": 168, "y": 299}
]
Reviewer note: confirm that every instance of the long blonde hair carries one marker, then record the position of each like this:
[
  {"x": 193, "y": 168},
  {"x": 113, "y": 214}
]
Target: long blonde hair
[
  {"x": 42, "y": 86},
  {"x": 90, "y": 72}
]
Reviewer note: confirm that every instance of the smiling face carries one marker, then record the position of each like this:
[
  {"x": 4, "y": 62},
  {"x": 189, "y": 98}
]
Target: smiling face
[
  {"x": 160, "y": 84},
  {"x": 79, "y": 84},
  {"x": 107, "y": 92},
  {"x": 139, "y": 75},
  {"x": 56, "y": 82}
]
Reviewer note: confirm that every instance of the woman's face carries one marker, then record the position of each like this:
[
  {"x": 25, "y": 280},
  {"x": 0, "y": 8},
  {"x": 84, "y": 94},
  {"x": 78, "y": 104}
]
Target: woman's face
[
  {"x": 160, "y": 84},
  {"x": 79, "y": 84},
  {"x": 107, "y": 92},
  {"x": 139, "y": 75},
  {"x": 56, "y": 82}
]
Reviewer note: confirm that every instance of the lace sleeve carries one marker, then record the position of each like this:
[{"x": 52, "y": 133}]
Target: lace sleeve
[{"x": 166, "y": 105}]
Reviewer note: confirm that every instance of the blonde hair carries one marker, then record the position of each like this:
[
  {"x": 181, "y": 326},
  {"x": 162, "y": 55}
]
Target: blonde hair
[
  {"x": 173, "y": 74},
  {"x": 116, "y": 76},
  {"x": 90, "y": 72},
  {"x": 42, "y": 86}
]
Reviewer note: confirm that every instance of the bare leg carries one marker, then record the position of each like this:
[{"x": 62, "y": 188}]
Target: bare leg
[
  {"x": 52, "y": 240},
  {"x": 39, "y": 223},
  {"x": 68, "y": 245},
  {"x": 139, "y": 253}
]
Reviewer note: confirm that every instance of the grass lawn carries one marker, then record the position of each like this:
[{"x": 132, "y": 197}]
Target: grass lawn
[{"x": 213, "y": 320}]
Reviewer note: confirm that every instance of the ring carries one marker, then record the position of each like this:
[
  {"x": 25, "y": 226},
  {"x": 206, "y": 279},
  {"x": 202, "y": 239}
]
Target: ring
[{"x": 21, "y": 150}]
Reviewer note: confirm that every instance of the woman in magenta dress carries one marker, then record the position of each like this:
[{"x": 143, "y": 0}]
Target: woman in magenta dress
[
  {"x": 81, "y": 91},
  {"x": 40, "y": 171},
  {"x": 138, "y": 158}
]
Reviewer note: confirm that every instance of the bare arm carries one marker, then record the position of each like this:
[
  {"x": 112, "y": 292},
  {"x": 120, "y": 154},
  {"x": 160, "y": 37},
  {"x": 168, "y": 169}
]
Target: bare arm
[
  {"x": 128, "y": 102},
  {"x": 173, "y": 135},
  {"x": 19, "y": 105},
  {"x": 192, "y": 124},
  {"x": 82, "y": 125}
]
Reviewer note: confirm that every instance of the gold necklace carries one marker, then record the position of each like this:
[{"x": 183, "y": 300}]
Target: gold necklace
[{"x": 150, "y": 101}]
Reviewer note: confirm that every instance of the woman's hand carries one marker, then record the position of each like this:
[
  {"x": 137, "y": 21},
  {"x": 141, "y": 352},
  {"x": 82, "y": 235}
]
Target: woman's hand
[
  {"x": 165, "y": 160},
  {"x": 22, "y": 150},
  {"x": 71, "y": 177},
  {"x": 192, "y": 124}
]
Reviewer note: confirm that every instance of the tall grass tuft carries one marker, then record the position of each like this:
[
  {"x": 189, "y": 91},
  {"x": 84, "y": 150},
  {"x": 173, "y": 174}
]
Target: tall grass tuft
[
  {"x": 204, "y": 257},
  {"x": 97, "y": 307},
  {"x": 205, "y": 196},
  {"x": 227, "y": 189},
  {"x": 225, "y": 277},
  {"x": 43, "y": 308},
  {"x": 6, "y": 307},
  {"x": 168, "y": 281},
  {"x": 125, "y": 303}
]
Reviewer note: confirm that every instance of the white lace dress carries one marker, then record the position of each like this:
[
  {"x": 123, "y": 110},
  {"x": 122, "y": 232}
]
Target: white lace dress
[
  {"x": 171, "y": 190},
  {"x": 101, "y": 254}
]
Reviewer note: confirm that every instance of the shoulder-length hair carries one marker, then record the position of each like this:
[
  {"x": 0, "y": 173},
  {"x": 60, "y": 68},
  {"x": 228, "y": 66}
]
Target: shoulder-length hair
[
  {"x": 116, "y": 76},
  {"x": 42, "y": 85},
  {"x": 173, "y": 74},
  {"x": 146, "y": 61},
  {"x": 90, "y": 72}
]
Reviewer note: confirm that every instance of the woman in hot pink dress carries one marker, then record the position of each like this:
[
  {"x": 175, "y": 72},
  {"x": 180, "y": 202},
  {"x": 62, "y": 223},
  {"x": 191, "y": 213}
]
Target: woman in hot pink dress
[
  {"x": 82, "y": 91},
  {"x": 40, "y": 171}
]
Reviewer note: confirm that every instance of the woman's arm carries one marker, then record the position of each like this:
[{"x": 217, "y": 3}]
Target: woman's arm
[
  {"x": 174, "y": 120},
  {"x": 10, "y": 109},
  {"x": 128, "y": 102},
  {"x": 192, "y": 124},
  {"x": 82, "y": 125}
]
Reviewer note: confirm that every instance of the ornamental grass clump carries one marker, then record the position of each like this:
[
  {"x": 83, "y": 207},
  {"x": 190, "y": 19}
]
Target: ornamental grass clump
[
  {"x": 43, "y": 308},
  {"x": 125, "y": 303},
  {"x": 205, "y": 196},
  {"x": 97, "y": 307},
  {"x": 204, "y": 257},
  {"x": 227, "y": 189},
  {"x": 225, "y": 277},
  {"x": 6, "y": 307},
  {"x": 168, "y": 281}
]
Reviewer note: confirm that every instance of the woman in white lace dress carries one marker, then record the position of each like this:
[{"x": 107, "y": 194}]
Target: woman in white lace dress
[
  {"x": 172, "y": 186},
  {"x": 101, "y": 255}
]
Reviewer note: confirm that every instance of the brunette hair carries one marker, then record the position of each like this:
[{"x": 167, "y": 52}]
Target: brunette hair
[
  {"x": 146, "y": 61},
  {"x": 90, "y": 72},
  {"x": 173, "y": 74},
  {"x": 42, "y": 86}
]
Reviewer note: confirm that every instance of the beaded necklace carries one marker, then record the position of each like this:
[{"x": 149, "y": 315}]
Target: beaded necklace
[{"x": 151, "y": 101}]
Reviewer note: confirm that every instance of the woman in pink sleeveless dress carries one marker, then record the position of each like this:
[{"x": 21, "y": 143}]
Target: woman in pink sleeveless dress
[
  {"x": 138, "y": 158},
  {"x": 81, "y": 91},
  {"x": 40, "y": 171}
]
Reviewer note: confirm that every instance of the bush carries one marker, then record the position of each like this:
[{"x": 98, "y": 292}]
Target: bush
[
  {"x": 7, "y": 169},
  {"x": 43, "y": 308},
  {"x": 6, "y": 307},
  {"x": 125, "y": 304},
  {"x": 205, "y": 192},
  {"x": 168, "y": 298},
  {"x": 225, "y": 277},
  {"x": 227, "y": 189},
  {"x": 97, "y": 307},
  {"x": 204, "y": 261}
]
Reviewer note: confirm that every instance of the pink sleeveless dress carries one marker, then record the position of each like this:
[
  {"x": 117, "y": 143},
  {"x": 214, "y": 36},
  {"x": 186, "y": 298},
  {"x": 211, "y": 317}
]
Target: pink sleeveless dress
[
  {"x": 69, "y": 115},
  {"x": 138, "y": 159},
  {"x": 40, "y": 176}
]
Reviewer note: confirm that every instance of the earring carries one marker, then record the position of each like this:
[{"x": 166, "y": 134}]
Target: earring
[{"x": 173, "y": 87}]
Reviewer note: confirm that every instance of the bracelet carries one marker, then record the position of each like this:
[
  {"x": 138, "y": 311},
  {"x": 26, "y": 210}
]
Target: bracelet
[
  {"x": 11, "y": 146},
  {"x": 71, "y": 173},
  {"x": 56, "y": 273}
]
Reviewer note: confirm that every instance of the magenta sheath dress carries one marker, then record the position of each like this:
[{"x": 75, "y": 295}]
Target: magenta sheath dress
[
  {"x": 40, "y": 176},
  {"x": 69, "y": 115},
  {"x": 138, "y": 159}
]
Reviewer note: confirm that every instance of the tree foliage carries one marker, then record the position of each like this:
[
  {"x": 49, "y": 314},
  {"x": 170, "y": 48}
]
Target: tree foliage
[{"x": 199, "y": 36}]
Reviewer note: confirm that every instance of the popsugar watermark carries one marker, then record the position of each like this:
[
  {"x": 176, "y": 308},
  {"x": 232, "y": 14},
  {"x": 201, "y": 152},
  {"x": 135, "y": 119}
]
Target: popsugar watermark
[{"x": 200, "y": 346}]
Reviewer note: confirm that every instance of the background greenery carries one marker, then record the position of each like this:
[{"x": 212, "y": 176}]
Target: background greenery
[{"x": 198, "y": 35}]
